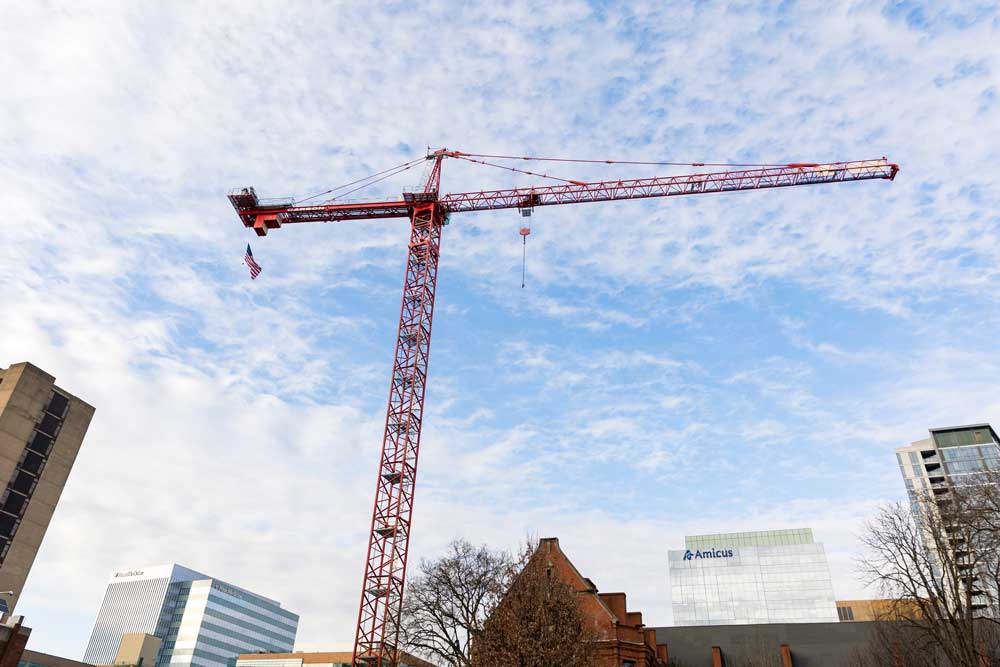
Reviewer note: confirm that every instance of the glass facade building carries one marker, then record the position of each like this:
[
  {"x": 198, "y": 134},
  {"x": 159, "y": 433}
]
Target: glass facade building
[
  {"x": 774, "y": 576},
  {"x": 203, "y": 622},
  {"x": 948, "y": 458}
]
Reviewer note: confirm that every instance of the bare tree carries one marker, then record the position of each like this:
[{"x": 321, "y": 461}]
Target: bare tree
[
  {"x": 450, "y": 599},
  {"x": 757, "y": 651},
  {"x": 538, "y": 624},
  {"x": 895, "y": 644},
  {"x": 939, "y": 560}
]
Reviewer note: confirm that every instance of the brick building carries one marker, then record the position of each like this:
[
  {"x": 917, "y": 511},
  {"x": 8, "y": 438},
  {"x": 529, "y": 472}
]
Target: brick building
[{"x": 622, "y": 638}]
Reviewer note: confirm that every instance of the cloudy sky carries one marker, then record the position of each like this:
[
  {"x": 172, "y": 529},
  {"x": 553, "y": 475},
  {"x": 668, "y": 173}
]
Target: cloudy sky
[{"x": 718, "y": 363}]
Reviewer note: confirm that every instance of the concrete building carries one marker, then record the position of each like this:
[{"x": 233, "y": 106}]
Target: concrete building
[
  {"x": 785, "y": 644},
  {"x": 41, "y": 429},
  {"x": 773, "y": 576},
  {"x": 320, "y": 659},
  {"x": 202, "y": 621}
]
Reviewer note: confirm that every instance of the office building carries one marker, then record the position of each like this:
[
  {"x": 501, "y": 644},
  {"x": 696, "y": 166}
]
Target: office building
[
  {"x": 773, "y": 576},
  {"x": 41, "y": 429},
  {"x": 949, "y": 458},
  {"x": 202, "y": 621}
]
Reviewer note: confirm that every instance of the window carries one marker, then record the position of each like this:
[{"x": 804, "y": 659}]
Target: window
[
  {"x": 7, "y": 525},
  {"x": 845, "y": 613},
  {"x": 628, "y": 663},
  {"x": 15, "y": 503},
  {"x": 23, "y": 483},
  {"x": 41, "y": 443},
  {"x": 50, "y": 424},
  {"x": 32, "y": 462},
  {"x": 58, "y": 405}
]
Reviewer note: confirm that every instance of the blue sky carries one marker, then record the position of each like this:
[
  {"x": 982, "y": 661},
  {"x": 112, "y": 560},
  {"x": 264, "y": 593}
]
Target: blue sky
[{"x": 719, "y": 363}]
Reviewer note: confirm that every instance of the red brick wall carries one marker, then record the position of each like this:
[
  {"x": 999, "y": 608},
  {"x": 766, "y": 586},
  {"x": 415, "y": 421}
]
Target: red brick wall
[
  {"x": 12, "y": 643},
  {"x": 621, "y": 634}
]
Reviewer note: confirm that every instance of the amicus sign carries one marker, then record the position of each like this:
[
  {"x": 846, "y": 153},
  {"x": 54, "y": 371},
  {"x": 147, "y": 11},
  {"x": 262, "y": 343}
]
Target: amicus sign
[{"x": 708, "y": 553}]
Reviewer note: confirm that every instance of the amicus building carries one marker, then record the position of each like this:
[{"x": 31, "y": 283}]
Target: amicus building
[{"x": 773, "y": 576}]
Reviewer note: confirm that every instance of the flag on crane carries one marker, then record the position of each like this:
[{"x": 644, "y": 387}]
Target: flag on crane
[{"x": 254, "y": 266}]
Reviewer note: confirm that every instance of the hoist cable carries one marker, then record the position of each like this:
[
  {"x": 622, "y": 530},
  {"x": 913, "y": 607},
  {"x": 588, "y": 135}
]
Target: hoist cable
[
  {"x": 398, "y": 170},
  {"x": 520, "y": 171},
  {"x": 347, "y": 185},
  {"x": 669, "y": 164},
  {"x": 524, "y": 257}
]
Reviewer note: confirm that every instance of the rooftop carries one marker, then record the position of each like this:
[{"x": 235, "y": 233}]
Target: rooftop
[{"x": 759, "y": 538}]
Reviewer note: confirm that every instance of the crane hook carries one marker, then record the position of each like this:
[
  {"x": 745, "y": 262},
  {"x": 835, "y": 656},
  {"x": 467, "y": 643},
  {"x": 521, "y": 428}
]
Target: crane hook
[{"x": 525, "y": 230}]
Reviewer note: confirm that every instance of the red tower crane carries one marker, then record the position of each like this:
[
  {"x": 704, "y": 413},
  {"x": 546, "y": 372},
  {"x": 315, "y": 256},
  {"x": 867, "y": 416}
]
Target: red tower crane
[{"x": 428, "y": 211}]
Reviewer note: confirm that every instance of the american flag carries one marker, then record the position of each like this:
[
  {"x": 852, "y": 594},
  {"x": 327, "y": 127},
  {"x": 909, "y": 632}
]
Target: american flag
[{"x": 254, "y": 266}]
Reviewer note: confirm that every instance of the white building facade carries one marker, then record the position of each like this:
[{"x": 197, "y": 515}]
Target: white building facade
[
  {"x": 774, "y": 576},
  {"x": 203, "y": 622}
]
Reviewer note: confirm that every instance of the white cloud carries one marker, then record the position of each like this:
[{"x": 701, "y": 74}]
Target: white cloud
[{"x": 664, "y": 353}]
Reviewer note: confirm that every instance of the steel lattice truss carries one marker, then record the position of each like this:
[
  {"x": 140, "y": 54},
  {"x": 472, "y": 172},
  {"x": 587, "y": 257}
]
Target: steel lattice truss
[
  {"x": 385, "y": 570},
  {"x": 385, "y": 567}
]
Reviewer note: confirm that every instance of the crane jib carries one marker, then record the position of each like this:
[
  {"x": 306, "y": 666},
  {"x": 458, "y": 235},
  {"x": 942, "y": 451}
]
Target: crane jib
[{"x": 263, "y": 216}]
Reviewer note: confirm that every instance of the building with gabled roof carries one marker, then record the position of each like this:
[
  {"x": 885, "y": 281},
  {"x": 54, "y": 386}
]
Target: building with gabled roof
[{"x": 622, "y": 638}]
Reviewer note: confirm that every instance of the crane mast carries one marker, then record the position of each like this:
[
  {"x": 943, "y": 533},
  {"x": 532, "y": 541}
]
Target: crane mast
[
  {"x": 385, "y": 567},
  {"x": 379, "y": 615}
]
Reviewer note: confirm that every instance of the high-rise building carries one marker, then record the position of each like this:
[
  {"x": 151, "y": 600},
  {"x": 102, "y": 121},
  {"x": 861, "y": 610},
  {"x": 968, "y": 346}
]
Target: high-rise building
[
  {"x": 203, "y": 622},
  {"x": 772, "y": 576},
  {"x": 945, "y": 460},
  {"x": 933, "y": 470},
  {"x": 41, "y": 430}
]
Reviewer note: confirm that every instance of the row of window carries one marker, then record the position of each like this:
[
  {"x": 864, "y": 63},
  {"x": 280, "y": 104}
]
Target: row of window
[
  {"x": 965, "y": 437},
  {"x": 14, "y": 500},
  {"x": 971, "y": 453}
]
